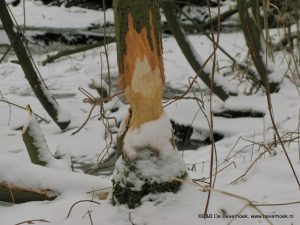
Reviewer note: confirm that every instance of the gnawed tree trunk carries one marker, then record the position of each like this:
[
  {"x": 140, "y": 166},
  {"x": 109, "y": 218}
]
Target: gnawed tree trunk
[
  {"x": 31, "y": 74},
  {"x": 252, "y": 29},
  {"x": 149, "y": 157}
]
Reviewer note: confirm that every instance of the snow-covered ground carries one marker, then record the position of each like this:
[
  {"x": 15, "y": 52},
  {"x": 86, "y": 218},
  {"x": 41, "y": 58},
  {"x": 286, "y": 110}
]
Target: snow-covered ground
[{"x": 268, "y": 182}]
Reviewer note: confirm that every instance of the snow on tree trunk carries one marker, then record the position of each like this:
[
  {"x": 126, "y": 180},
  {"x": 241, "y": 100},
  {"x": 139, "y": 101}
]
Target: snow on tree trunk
[
  {"x": 148, "y": 155},
  {"x": 37, "y": 147}
]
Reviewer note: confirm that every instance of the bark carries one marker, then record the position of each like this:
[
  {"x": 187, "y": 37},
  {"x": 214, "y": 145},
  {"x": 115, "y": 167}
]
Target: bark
[
  {"x": 31, "y": 74},
  {"x": 252, "y": 30},
  {"x": 187, "y": 50},
  {"x": 17, "y": 194}
]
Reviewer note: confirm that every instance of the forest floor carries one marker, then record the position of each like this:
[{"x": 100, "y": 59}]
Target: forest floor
[{"x": 254, "y": 184}]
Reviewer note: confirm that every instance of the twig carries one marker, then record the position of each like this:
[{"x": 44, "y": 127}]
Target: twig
[
  {"x": 70, "y": 210},
  {"x": 94, "y": 101},
  {"x": 90, "y": 216},
  {"x": 239, "y": 212},
  {"x": 105, "y": 50},
  {"x": 31, "y": 221},
  {"x": 6, "y": 52},
  {"x": 21, "y": 107},
  {"x": 86, "y": 120},
  {"x": 213, "y": 156},
  {"x": 130, "y": 219},
  {"x": 220, "y": 170},
  {"x": 270, "y": 109},
  {"x": 100, "y": 189},
  {"x": 278, "y": 204},
  {"x": 206, "y": 188},
  {"x": 252, "y": 164},
  {"x": 68, "y": 52}
]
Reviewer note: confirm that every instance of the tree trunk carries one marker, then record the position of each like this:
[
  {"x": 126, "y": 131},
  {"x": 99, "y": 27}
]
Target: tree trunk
[
  {"x": 31, "y": 74},
  {"x": 146, "y": 133},
  {"x": 189, "y": 52},
  {"x": 252, "y": 29},
  {"x": 37, "y": 147}
]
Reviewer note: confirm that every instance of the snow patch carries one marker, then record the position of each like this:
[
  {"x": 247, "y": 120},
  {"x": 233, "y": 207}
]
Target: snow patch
[{"x": 156, "y": 134}]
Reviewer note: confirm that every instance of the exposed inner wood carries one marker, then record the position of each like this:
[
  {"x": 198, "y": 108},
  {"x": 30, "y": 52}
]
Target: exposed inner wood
[{"x": 142, "y": 78}]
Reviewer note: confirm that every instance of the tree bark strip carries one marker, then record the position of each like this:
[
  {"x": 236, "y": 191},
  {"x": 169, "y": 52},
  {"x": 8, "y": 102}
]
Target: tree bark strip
[{"x": 41, "y": 92}]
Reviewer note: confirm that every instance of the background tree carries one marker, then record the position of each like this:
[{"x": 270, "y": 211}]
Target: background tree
[
  {"x": 148, "y": 154},
  {"x": 32, "y": 75},
  {"x": 257, "y": 44}
]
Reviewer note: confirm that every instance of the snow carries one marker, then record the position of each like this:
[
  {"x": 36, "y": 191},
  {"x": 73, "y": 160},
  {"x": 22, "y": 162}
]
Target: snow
[
  {"x": 62, "y": 159},
  {"x": 25, "y": 174},
  {"x": 207, "y": 68},
  {"x": 37, "y": 15},
  {"x": 34, "y": 130},
  {"x": 155, "y": 134},
  {"x": 269, "y": 180}
]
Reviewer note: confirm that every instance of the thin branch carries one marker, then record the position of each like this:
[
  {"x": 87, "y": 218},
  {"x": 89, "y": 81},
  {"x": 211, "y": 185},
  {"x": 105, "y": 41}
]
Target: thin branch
[
  {"x": 70, "y": 210},
  {"x": 21, "y": 107},
  {"x": 252, "y": 164},
  {"x": 278, "y": 204},
  {"x": 31, "y": 221},
  {"x": 206, "y": 188},
  {"x": 213, "y": 146},
  {"x": 130, "y": 219}
]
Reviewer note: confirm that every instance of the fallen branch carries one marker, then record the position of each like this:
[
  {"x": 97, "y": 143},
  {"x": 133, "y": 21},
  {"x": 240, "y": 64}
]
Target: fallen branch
[
  {"x": 64, "y": 53},
  {"x": 190, "y": 54},
  {"x": 31, "y": 221},
  {"x": 17, "y": 194}
]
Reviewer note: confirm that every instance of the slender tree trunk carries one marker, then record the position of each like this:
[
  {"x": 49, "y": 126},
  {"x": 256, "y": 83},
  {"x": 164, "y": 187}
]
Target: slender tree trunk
[
  {"x": 31, "y": 74},
  {"x": 189, "y": 52},
  {"x": 252, "y": 29},
  {"x": 145, "y": 136}
]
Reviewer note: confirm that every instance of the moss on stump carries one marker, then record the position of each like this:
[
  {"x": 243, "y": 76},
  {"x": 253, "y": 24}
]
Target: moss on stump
[{"x": 149, "y": 174}]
